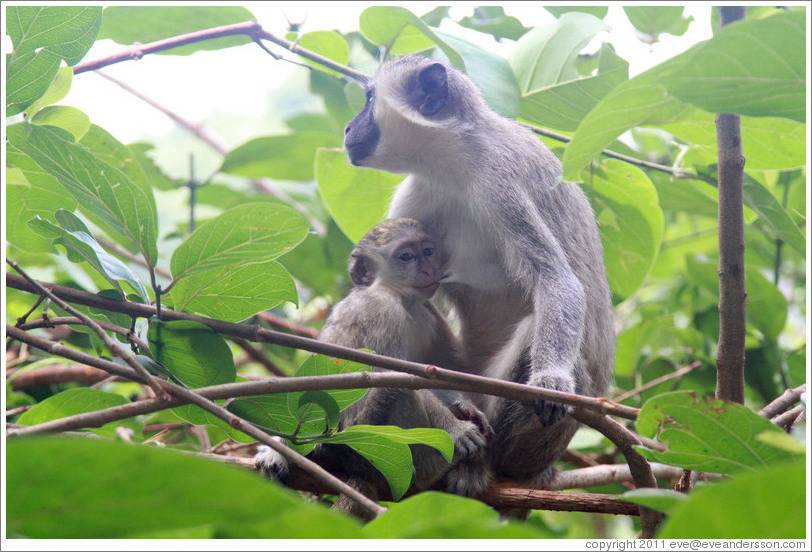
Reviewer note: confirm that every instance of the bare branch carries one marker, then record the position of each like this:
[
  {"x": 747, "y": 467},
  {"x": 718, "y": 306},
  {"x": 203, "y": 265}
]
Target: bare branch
[
  {"x": 789, "y": 418},
  {"x": 112, "y": 346},
  {"x": 732, "y": 325},
  {"x": 657, "y": 381},
  {"x": 58, "y": 373},
  {"x": 466, "y": 382},
  {"x": 788, "y": 399},
  {"x": 504, "y": 496}
]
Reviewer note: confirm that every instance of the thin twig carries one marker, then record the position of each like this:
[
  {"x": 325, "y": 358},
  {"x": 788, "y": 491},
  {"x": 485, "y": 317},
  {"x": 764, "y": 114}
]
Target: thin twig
[
  {"x": 74, "y": 320},
  {"x": 112, "y": 346},
  {"x": 657, "y": 381},
  {"x": 257, "y": 355},
  {"x": 467, "y": 382}
]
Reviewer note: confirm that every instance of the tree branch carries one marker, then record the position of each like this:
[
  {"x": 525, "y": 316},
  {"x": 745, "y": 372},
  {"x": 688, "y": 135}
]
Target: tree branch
[
  {"x": 783, "y": 403},
  {"x": 188, "y": 396},
  {"x": 639, "y": 467},
  {"x": 657, "y": 381},
  {"x": 732, "y": 294},
  {"x": 466, "y": 382}
]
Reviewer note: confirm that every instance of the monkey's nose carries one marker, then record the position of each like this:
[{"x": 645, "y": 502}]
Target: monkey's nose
[{"x": 347, "y": 129}]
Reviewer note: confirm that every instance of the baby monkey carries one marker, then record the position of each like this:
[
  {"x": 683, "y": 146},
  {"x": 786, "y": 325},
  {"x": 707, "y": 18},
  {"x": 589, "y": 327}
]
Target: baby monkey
[{"x": 396, "y": 269}]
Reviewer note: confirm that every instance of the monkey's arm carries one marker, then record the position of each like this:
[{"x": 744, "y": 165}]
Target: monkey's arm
[{"x": 537, "y": 261}]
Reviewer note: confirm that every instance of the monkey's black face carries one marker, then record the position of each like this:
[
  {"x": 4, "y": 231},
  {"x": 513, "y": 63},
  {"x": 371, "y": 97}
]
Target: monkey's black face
[{"x": 362, "y": 133}]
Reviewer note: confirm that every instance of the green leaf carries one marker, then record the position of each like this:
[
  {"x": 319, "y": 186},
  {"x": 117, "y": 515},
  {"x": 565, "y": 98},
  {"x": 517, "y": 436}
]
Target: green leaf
[
  {"x": 754, "y": 67},
  {"x": 598, "y": 11},
  {"x": 630, "y": 222},
  {"x": 197, "y": 416},
  {"x": 546, "y": 55},
  {"x": 492, "y": 20},
  {"x": 325, "y": 401},
  {"x": 192, "y": 352},
  {"x": 234, "y": 292},
  {"x": 288, "y": 157},
  {"x": 356, "y": 198},
  {"x": 42, "y": 37},
  {"x": 768, "y": 504},
  {"x": 126, "y": 490},
  {"x": 662, "y": 500},
  {"x": 73, "y": 235},
  {"x": 652, "y": 21},
  {"x": 435, "y": 438},
  {"x": 280, "y": 412},
  {"x": 402, "y": 32},
  {"x": 768, "y": 143},
  {"x": 320, "y": 263},
  {"x": 71, "y": 402},
  {"x": 439, "y": 515},
  {"x": 763, "y": 202},
  {"x": 564, "y": 105},
  {"x": 707, "y": 434},
  {"x": 38, "y": 194},
  {"x": 58, "y": 89},
  {"x": 248, "y": 234},
  {"x": 103, "y": 191},
  {"x": 329, "y": 44},
  {"x": 68, "y": 118},
  {"x": 490, "y": 72},
  {"x": 129, "y": 24},
  {"x": 642, "y": 100}
]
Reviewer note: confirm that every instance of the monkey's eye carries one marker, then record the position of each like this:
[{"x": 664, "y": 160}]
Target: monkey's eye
[
  {"x": 406, "y": 257},
  {"x": 428, "y": 252},
  {"x": 369, "y": 95}
]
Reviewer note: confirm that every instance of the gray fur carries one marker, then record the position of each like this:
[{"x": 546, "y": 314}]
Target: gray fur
[{"x": 527, "y": 277}]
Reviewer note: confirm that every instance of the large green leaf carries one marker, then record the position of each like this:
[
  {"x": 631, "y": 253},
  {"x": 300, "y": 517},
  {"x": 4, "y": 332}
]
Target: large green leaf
[
  {"x": 73, "y": 235},
  {"x": 438, "y": 515},
  {"x": 68, "y": 118},
  {"x": 130, "y": 24},
  {"x": 563, "y": 105},
  {"x": 33, "y": 193},
  {"x": 546, "y": 55},
  {"x": 329, "y": 44},
  {"x": 707, "y": 434},
  {"x": 103, "y": 191},
  {"x": 767, "y": 504},
  {"x": 630, "y": 222},
  {"x": 402, "y": 32},
  {"x": 192, "y": 352},
  {"x": 248, "y": 234},
  {"x": 652, "y": 21},
  {"x": 356, "y": 198},
  {"x": 57, "y": 90},
  {"x": 234, "y": 292},
  {"x": 43, "y": 36},
  {"x": 768, "y": 143},
  {"x": 490, "y": 72},
  {"x": 103, "y": 489},
  {"x": 753, "y": 67},
  {"x": 713, "y": 75},
  {"x": 287, "y": 157},
  {"x": 69, "y": 403}
]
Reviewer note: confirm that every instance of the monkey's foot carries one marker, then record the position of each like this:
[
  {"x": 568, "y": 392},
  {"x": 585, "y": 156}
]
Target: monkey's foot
[
  {"x": 469, "y": 477},
  {"x": 272, "y": 464},
  {"x": 550, "y": 412}
]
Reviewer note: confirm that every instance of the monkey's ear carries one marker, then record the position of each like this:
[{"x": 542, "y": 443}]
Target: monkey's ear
[
  {"x": 361, "y": 269},
  {"x": 433, "y": 82}
]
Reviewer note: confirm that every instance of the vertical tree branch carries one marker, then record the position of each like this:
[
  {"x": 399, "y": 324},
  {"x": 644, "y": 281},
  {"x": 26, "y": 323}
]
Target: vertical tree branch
[{"x": 730, "y": 355}]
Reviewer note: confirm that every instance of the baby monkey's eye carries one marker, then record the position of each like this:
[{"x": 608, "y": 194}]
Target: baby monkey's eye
[
  {"x": 406, "y": 257},
  {"x": 428, "y": 252}
]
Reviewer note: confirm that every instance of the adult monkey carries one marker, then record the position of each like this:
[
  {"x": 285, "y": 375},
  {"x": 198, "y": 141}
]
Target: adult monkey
[{"x": 528, "y": 281}]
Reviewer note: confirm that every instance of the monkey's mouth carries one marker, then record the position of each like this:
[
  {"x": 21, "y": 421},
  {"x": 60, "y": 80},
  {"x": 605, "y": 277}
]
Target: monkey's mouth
[{"x": 430, "y": 289}]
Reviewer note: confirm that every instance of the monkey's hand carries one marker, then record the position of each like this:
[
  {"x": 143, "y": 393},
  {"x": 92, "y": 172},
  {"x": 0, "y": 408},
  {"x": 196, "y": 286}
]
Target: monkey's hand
[
  {"x": 469, "y": 477},
  {"x": 550, "y": 412},
  {"x": 468, "y": 440},
  {"x": 271, "y": 464},
  {"x": 465, "y": 410}
]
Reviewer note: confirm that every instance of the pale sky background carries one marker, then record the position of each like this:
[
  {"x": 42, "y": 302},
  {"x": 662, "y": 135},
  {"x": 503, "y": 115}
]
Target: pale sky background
[{"x": 240, "y": 80}]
